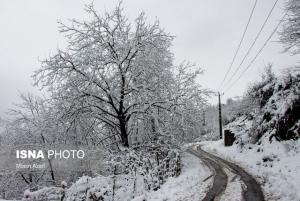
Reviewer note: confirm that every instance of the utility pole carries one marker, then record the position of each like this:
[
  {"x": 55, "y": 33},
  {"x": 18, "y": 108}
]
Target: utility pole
[
  {"x": 220, "y": 115},
  {"x": 203, "y": 118}
]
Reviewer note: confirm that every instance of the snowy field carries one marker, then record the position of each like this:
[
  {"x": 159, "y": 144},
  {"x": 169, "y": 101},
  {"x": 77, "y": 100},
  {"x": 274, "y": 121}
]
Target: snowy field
[
  {"x": 191, "y": 185},
  {"x": 276, "y": 166}
]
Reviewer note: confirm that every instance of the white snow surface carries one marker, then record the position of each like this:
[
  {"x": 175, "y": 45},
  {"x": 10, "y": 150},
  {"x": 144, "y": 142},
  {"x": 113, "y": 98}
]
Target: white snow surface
[
  {"x": 191, "y": 185},
  {"x": 276, "y": 165}
]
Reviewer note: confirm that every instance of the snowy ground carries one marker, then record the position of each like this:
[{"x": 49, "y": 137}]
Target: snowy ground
[
  {"x": 276, "y": 166},
  {"x": 191, "y": 185}
]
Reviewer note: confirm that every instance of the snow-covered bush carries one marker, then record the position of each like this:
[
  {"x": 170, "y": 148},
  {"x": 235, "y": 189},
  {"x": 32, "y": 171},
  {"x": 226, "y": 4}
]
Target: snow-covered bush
[
  {"x": 154, "y": 163},
  {"x": 130, "y": 173},
  {"x": 278, "y": 112},
  {"x": 290, "y": 30}
]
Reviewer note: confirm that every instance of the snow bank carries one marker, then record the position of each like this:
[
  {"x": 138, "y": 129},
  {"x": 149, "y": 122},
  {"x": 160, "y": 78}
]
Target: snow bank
[
  {"x": 191, "y": 185},
  {"x": 241, "y": 128},
  {"x": 46, "y": 193},
  {"x": 117, "y": 188}
]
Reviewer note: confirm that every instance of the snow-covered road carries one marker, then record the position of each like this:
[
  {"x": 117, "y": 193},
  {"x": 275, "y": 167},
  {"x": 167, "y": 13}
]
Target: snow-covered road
[{"x": 230, "y": 181}]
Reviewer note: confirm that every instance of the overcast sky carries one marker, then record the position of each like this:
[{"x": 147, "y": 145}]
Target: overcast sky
[{"x": 207, "y": 33}]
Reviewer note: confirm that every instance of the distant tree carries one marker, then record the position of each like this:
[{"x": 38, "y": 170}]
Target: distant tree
[
  {"x": 33, "y": 123},
  {"x": 290, "y": 33},
  {"x": 40, "y": 123}
]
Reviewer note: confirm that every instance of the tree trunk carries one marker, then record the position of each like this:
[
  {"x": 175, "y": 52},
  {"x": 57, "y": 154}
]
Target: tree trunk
[{"x": 124, "y": 134}]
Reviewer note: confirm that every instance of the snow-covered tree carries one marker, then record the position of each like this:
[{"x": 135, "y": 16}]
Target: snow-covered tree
[
  {"x": 115, "y": 81},
  {"x": 290, "y": 33},
  {"x": 114, "y": 72}
]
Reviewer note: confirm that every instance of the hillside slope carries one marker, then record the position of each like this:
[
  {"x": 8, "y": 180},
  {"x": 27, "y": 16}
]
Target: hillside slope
[
  {"x": 267, "y": 136},
  {"x": 277, "y": 112}
]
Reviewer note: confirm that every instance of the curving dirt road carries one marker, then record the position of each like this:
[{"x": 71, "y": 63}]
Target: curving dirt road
[{"x": 252, "y": 192}]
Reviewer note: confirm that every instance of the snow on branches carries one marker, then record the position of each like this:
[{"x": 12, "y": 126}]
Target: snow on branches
[{"x": 116, "y": 72}]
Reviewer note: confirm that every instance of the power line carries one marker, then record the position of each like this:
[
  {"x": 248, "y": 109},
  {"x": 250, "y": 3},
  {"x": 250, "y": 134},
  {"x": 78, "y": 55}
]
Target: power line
[
  {"x": 258, "y": 53},
  {"x": 253, "y": 43},
  {"x": 240, "y": 43}
]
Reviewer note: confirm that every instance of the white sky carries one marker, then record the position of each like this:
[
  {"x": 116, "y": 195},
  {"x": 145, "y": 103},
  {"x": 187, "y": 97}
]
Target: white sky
[{"x": 207, "y": 33}]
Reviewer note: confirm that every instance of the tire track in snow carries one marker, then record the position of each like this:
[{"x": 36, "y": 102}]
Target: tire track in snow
[
  {"x": 252, "y": 191},
  {"x": 220, "y": 177}
]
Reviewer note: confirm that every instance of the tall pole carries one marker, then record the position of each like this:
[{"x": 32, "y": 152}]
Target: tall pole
[
  {"x": 203, "y": 118},
  {"x": 220, "y": 115}
]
